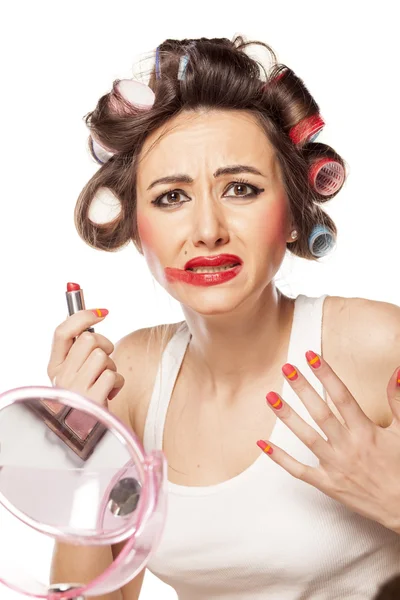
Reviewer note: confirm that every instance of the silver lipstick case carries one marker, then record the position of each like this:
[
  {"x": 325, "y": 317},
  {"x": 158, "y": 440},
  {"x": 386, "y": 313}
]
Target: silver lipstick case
[{"x": 76, "y": 302}]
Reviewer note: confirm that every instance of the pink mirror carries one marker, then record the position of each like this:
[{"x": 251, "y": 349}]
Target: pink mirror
[{"x": 70, "y": 472}]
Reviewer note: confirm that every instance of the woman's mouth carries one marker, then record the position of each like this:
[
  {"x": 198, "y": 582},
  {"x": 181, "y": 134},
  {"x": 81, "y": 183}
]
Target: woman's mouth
[
  {"x": 212, "y": 269},
  {"x": 206, "y": 270}
]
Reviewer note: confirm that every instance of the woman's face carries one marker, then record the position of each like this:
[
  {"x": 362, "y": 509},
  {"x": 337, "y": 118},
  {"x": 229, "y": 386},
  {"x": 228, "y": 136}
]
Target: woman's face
[{"x": 221, "y": 196}]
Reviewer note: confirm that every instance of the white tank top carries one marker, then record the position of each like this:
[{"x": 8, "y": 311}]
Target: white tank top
[{"x": 264, "y": 535}]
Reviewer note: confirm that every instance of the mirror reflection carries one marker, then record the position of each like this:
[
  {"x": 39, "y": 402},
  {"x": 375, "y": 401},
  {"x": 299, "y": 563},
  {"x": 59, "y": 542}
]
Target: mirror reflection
[{"x": 67, "y": 470}]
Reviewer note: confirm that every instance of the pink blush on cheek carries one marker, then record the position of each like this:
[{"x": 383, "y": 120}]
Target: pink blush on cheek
[
  {"x": 272, "y": 225},
  {"x": 150, "y": 248},
  {"x": 144, "y": 230}
]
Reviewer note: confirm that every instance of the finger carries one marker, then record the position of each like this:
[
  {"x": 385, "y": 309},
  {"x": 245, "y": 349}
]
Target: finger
[
  {"x": 85, "y": 344},
  {"x": 72, "y": 327},
  {"x": 114, "y": 392},
  {"x": 316, "y": 406},
  {"x": 307, "y": 434},
  {"x": 96, "y": 363},
  {"x": 393, "y": 394},
  {"x": 291, "y": 465},
  {"x": 107, "y": 381},
  {"x": 81, "y": 380},
  {"x": 346, "y": 404},
  {"x": 80, "y": 351}
]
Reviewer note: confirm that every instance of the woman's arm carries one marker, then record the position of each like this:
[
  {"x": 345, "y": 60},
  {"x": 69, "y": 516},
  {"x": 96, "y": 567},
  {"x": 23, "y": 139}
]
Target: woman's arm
[
  {"x": 136, "y": 357},
  {"x": 81, "y": 564}
]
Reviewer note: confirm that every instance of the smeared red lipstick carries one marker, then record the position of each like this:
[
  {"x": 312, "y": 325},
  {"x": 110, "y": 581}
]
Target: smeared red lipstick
[
  {"x": 213, "y": 261},
  {"x": 186, "y": 275}
]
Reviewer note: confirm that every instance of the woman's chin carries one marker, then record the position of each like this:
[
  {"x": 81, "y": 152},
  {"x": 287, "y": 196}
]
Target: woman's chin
[{"x": 211, "y": 301}]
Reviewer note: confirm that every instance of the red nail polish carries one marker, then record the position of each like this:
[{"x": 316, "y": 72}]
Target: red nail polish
[
  {"x": 274, "y": 400},
  {"x": 398, "y": 377},
  {"x": 264, "y": 447},
  {"x": 313, "y": 359},
  {"x": 100, "y": 312},
  {"x": 290, "y": 372}
]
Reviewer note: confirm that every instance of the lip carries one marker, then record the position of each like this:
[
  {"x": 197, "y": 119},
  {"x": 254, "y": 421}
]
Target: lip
[
  {"x": 201, "y": 279},
  {"x": 213, "y": 261}
]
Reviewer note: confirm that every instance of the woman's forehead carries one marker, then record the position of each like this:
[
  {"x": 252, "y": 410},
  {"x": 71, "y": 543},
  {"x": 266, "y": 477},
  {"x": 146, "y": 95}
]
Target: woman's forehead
[{"x": 208, "y": 139}]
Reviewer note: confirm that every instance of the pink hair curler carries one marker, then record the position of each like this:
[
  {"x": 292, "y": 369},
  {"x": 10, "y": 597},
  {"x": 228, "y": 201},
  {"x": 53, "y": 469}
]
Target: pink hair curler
[
  {"x": 101, "y": 153},
  {"x": 49, "y": 494},
  {"x": 326, "y": 176},
  {"x": 128, "y": 97}
]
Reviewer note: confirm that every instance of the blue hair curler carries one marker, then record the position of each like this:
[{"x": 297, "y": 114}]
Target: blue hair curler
[
  {"x": 321, "y": 241},
  {"x": 314, "y": 137},
  {"x": 183, "y": 63},
  {"x": 158, "y": 73}
]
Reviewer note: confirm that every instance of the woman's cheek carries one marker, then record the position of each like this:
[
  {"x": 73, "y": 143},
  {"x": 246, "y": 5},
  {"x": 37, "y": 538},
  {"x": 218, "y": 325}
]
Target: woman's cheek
[
  {"x": 271, "y": 225},
  {"x": 144, "y": 230},
  {"x": 149, "y": 242}
]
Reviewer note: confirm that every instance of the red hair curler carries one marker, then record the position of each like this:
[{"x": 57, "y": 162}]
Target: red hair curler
[
  {"x": 273, "y": 80},
  {"x": 307, "y": 129},
  {"x": 327, "y": 176}
]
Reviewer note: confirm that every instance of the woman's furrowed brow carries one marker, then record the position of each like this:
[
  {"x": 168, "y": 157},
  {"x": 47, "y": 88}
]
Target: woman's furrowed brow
[{"x": 229, "y": 170}]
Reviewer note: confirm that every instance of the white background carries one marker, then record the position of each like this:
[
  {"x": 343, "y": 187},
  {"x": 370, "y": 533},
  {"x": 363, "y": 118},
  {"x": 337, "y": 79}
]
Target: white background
[{"x": 59, "y": 58}]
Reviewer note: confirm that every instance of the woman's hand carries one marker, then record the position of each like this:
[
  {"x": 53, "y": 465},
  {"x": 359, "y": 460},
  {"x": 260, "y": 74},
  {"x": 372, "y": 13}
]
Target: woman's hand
[
  {"x": 84, "y": 366},
  {"x": 359, "y": 462}
]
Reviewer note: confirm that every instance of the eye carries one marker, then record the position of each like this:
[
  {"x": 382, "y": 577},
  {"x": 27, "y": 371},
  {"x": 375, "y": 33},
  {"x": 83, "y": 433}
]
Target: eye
[
  {"x": 242, "y": 189},
  {"x": 170, "y": 198}
]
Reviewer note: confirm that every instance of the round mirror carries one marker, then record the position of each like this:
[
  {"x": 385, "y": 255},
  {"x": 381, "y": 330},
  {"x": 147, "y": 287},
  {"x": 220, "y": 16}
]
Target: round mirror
[
  {"x": 66, "y": 472},
  {"x": 72, "y": 474}
]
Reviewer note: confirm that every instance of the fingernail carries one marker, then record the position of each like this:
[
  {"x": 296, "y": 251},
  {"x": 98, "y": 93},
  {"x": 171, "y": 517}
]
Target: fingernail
[
  {"x": 274, "y": 400},
  {"x": 100, "y": 312},
  {"x": 290, "y": 372},
  {"x": 313, "y": 359},
  {"x": 398, "y": 377},
  {"x": 264, "y": 447}
]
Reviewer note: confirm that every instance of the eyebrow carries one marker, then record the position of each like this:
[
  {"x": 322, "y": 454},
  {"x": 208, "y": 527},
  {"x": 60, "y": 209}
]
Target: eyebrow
[{"x": 229, "y": 170}]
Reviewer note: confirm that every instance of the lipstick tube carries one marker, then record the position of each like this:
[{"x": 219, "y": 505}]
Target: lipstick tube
[{"x": 75, "y": 300}]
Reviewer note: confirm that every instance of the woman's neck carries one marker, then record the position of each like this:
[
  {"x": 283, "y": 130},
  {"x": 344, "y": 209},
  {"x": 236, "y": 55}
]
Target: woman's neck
[{"x": 233, "y": 349}]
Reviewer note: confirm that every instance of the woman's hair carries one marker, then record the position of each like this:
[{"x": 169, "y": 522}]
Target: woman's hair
[
  {"x": 390, "y": 590},
  {"x": 219, "y": 75}
]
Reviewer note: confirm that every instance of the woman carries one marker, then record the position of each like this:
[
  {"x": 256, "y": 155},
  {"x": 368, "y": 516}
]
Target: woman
[{"x": 216, "y": 174}]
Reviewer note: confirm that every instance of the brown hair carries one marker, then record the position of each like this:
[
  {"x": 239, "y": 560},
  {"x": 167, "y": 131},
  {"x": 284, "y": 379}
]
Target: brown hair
[
  {"x": 390, "y": 590},
  {"x": 219, "y": 75}
]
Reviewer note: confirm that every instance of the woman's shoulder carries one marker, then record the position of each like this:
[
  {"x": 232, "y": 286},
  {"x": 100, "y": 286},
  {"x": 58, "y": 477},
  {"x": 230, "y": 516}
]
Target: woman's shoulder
[
  {"x": 137, "y": 357},
  {"x": 361, "y": 341},
  {"x": 370, "y": 322},
  {"x": 359, "y": 323}
]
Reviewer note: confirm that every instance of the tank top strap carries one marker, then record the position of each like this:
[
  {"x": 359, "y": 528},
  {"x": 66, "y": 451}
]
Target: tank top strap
[
  {"x": 306, "y": 335},
  {"x": 307, "y": 327},
  {"x": 167, "y": 374}
]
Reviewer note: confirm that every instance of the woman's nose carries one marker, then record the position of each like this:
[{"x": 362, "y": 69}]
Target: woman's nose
[{"x": 209, "y": 226}]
